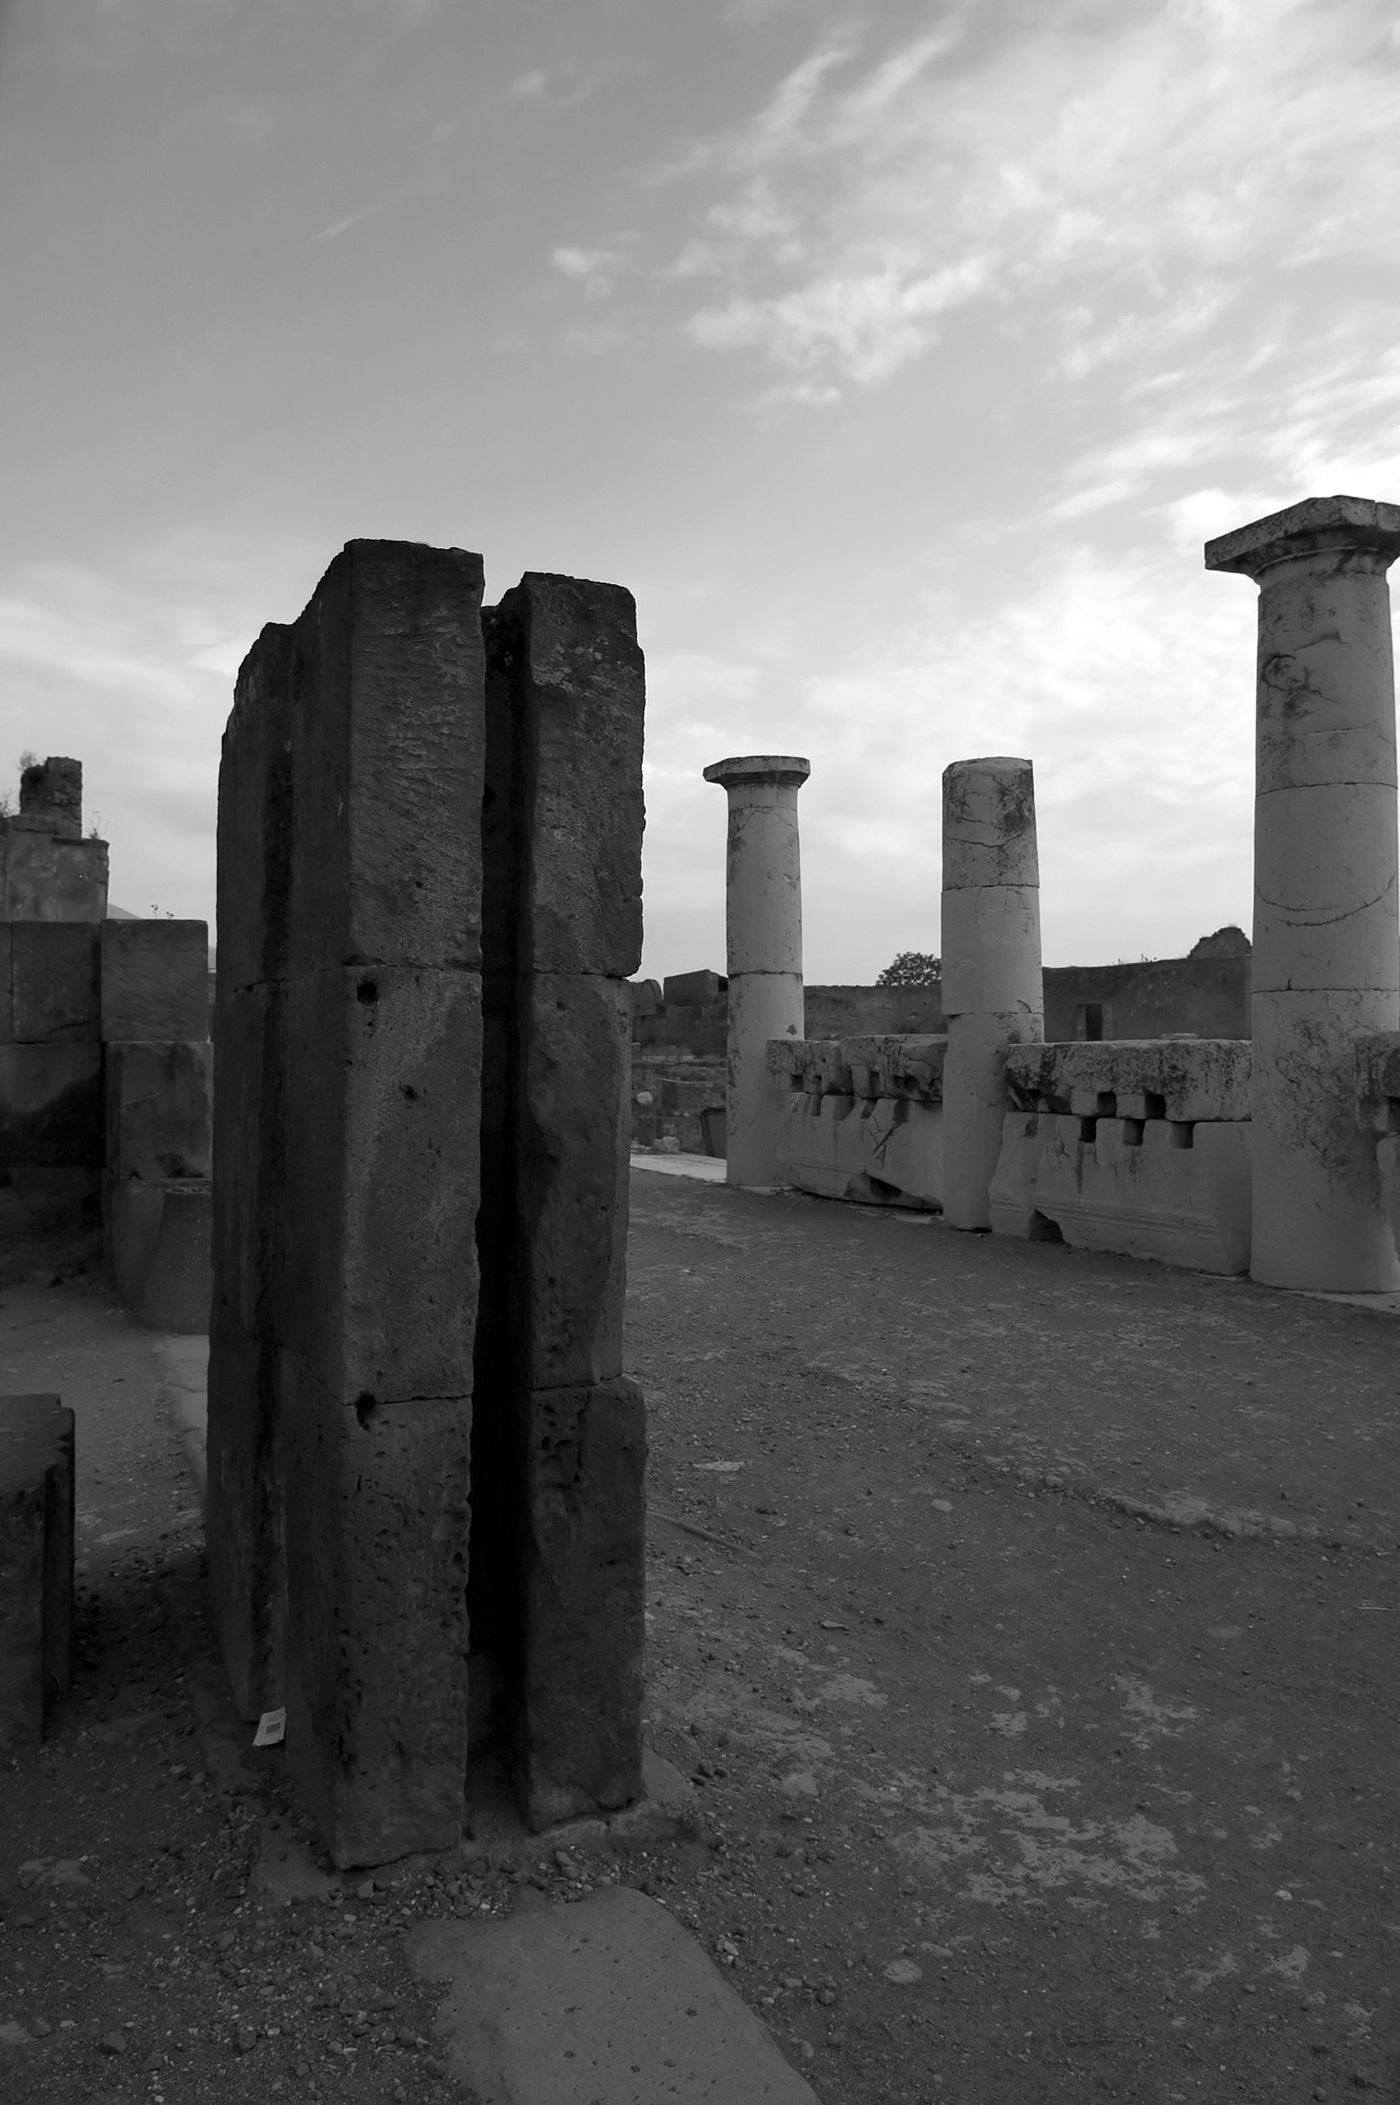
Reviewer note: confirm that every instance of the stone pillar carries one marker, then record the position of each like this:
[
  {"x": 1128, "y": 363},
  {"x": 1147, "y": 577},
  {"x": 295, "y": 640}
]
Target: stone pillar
[
  {"x": 992, "y": 986},
  {"x": 346, "y": 1177},
  {"x": 1326, "y": 963},
  {"x": 763, "y": 921},
  {"x": 559, "y": 1434}
]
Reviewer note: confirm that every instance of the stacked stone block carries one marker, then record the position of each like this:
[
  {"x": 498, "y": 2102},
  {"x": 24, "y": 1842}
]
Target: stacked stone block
[{"x": 424, "y": 1466}]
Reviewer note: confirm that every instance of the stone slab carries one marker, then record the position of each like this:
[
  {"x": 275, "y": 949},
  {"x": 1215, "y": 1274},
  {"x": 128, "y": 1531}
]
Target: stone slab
[
  {"x": 51, "y": 971},
  {"x": 376, "y": 1618},
  {"x": 1199, "y": 1079},
  {"x": 584, "y": 1609},
  {"x": 564, "y": 665},
  {"x": 387, "y": 758},
  {"x": 36, "y": 1565},
  {"x": 51, "y": 1107},
  {"x": 604, "y": 1999},
  {"x": 46, "y": 878},
  {"x": 176, "y": 1289},
  {"x": 158, "y": 1108},
  {"x": 691, "y": 990},
  {"x": 155, "y": 979},
  {"x": 874, "y": 1151},
  {"x": 896, "y": 1065}
]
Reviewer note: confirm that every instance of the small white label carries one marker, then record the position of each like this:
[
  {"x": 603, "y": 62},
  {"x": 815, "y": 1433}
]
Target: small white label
[{"x": 272, "y": 1728}]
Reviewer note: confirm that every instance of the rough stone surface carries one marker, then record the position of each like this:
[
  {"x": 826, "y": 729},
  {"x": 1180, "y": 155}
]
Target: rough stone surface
[
  {"x": 172, "y": 1286},
  {"x": 585, "y": 1626},
  {"x": 46, "y": 877},
  {"x": 53, "y": 789},
  {"x": 50, "y": 970},
  {"x": 51, "y": 1106},
  {"x": 564, "y": 665},
  {"x": 158, "y": 1108},
  {"x": 36, "y": 1565},
  {"x": 875, "y": 1151},
  {"x": 376, "y": 1535},
  {"x": 155, "y": 979},
  {"x": 346, "y": 1176},
  {"x": 605, "y": 1998},
  {"x": 1205, "y": 1078}
]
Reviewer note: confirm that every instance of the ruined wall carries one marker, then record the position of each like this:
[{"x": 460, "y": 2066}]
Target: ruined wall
[
  {"x": 1206, "y": 996},
  {"x": 425, "y": 1467}
]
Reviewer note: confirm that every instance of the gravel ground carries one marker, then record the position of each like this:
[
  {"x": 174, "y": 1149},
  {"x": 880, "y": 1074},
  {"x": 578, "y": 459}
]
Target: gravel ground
[{"x": 1026, "y": 1622}]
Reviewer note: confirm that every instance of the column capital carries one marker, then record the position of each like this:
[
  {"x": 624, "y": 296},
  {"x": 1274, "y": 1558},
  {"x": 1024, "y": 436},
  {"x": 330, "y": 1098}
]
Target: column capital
[
  {"x": 760, "y": 770},
  {"x": 1317, "y": 526}
]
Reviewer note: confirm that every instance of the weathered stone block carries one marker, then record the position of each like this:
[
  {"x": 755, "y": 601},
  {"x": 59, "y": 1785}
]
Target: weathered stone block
[
  {"x": 244, "y": 1518},
  {"x": 565, "y": 668},
  {"x": 1200, "y": 1079},
  {"x": 50, "y": 970},
  {"x": 386, "y": 723},
  {"x": 158, "y": 1238},
  {"x": 376, "y": 1618},
  {"x": 155, "y": 979},
  {"x": 36, "y": 1565},
  {"x": 256, "y": 816},
  {"x": 584, "y": 1600},
  {"x": 571, "y": 1148},
  {"x": 51, "y": 1106},
  {"x": 158, "y": 1108},
  {"x": 249, "y": 1117},
  {"x": 874, "y": 1151},
  {"x": 45, "y": 877},
  {"x": 367, "y": 1208},
  {"x": 692, "y": 990},
  {"x": 1162, "y": 1190}
]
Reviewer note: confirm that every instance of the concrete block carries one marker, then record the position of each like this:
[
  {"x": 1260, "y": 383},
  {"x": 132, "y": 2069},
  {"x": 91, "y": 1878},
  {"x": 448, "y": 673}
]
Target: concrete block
[
  {"x": 376, "y": 1616},
  {"x": 45, "y": 877},
  {"x": 608, "y": 1998},
  {"x": 155, "y": 980},
  {"x": 50, "y": 970},
  {"x": 36, "y": 1566},
  {"x": 584, "y": 1604},
  {"x": 51, "y": 1107},
  {"x": 565, "y": 672},
  {"x": 158, "y": 1108}
]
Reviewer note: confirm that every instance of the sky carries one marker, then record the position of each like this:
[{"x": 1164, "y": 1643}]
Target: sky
[{"x": 898, "y": 358}]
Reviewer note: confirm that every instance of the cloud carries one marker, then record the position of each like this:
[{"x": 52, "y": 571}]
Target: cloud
[
  {"x": 567, "y": 82},
  {"x": 1118, "y": 173},
  {"x": 597, "y": 270}
]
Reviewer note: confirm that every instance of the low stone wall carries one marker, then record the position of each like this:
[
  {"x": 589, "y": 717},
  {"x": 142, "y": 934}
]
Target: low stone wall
[
  {"x": 862, "y": 1118},
  {"x": 681, "y": 1089},
  {"x": 1140, "y": 1146},
  {"x": 1136, "y": 1146}
]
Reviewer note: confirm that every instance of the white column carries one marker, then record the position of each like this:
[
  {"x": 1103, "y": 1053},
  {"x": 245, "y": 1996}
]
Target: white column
[
  {"x": 992, "y": 986},
  {"x": 1326, "y": 963},
  {"x": 763, "y": 921}
]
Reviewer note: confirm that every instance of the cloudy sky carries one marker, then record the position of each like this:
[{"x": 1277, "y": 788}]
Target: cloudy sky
[{"x": 898, "y": 357}]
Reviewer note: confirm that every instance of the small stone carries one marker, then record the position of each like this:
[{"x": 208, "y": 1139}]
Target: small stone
[
  {"x": 40, "y": 2027},
  {"x": 112, "y": 2043},
  {"x": 826, "y": 1996},
  {"x": 903, "y": 1972},
  {"x": 245, "y": 2039},
  {"x": 13, "y": 2035}
]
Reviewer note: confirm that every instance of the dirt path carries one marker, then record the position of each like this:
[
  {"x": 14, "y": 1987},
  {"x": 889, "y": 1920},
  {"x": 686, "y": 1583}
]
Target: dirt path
[
  {"x": 1023, "y": 1796},
  {"x": 1012, "y": 1792}
]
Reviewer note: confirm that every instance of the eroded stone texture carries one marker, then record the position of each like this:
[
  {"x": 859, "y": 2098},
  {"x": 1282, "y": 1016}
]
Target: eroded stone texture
[
  {"x": 346, "y": 1179},
  {"x": 1185, "y": 1080},
  {"x": 763, "y": 924},
  {"x": 155, "y": 980},
  {"x": 50, "y": 971},
  {"x": 45, "y": 876},
  {"x": 561, "y": 935},
  {"x": 36, "y": 1565},
  {"x": 53, "y": 789},
  {"x": 992, "y": 989},
  {"x": 158, "y": 1109},
  {"x": 1326, "y": 961}
]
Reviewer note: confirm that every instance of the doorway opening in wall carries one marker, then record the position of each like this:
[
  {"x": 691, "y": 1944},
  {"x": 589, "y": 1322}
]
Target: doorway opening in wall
[{"x": 1090, "y": 1020}]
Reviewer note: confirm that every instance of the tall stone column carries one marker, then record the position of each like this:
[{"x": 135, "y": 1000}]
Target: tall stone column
[
  {"x": 1326, "y": 963},
  {"x": 763, "y": 921},
  {"x": 992, "y": 986}
]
